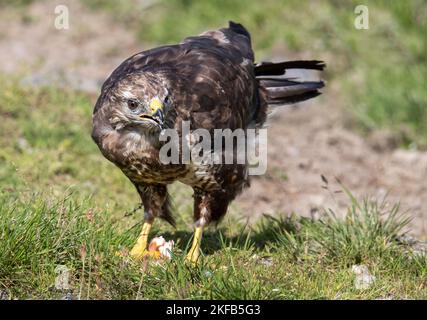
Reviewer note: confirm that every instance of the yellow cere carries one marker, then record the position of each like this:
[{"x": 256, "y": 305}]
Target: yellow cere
[{"x": 155, "y": 104}]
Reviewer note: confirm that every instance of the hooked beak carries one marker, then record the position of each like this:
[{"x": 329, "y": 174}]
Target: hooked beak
[
  {"x": 156, "y": 108},
  {"x": 157, "y": 116}
]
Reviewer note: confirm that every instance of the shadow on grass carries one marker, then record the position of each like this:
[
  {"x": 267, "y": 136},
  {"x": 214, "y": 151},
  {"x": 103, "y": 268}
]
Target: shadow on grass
[
  {"x": 264, "y": 233},
  {"x": 369, "y": 229}
]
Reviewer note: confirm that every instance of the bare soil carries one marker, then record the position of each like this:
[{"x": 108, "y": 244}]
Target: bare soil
[
  {"x": 304, "y": 142},
  {"x": 310, "y": 141},
  {"x": 81, "y": 56}
]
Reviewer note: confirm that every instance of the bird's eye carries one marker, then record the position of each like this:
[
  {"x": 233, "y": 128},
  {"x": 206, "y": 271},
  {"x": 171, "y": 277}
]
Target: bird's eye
[{"x": 133, "y": 104}]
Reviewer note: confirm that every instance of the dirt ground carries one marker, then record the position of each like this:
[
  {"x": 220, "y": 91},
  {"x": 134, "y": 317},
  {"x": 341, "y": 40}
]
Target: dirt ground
[
  {"x": 304, "y": 142},
  {"x": 311, "y": 141}
]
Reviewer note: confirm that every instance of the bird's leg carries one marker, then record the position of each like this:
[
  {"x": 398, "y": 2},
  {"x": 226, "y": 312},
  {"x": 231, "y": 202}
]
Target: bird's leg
[
  {"x": 208, "y": 206},
  {"x": 194, "y": 252},
  {"x": 201, "y": 217},
  {"x": 139, "y": 250},
  {"x": 153, "y": 198}
]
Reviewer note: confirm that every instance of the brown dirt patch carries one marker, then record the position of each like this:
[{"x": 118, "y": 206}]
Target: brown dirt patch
[{"x": 309, "y": 141}]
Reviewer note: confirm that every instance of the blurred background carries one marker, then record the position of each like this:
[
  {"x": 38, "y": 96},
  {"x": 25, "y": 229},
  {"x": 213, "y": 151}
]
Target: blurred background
[{"x": 368, "y": 129}]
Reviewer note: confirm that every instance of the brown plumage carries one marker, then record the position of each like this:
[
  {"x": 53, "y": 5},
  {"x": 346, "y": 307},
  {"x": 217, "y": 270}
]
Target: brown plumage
[{"x": 212, "y": 82}]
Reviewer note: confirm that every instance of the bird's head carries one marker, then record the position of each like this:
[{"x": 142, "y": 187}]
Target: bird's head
[{"x": 138, "y": 103}]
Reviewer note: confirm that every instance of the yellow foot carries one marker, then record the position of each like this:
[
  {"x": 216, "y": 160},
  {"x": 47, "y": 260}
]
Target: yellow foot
[
  {"x": 194, "y": 252},
  {"x": 193, "y": 256},
  {"x": 138, "y": 254},
  {"x": 139, "y": 250}
]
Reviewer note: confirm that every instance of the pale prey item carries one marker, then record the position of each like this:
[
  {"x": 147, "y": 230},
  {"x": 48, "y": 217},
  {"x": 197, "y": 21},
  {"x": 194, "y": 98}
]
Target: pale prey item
[{"x": 161, "y": 248}]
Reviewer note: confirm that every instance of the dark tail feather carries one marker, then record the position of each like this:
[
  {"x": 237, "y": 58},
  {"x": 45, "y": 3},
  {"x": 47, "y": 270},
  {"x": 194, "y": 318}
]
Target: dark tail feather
[
  {"x": 294, "y": 98},
  {"x": 280, "y": 90},
  {"x": 286, "y": 92},
  {"x": 277, "y": 69},
  {"x": 238, "y": 28}
]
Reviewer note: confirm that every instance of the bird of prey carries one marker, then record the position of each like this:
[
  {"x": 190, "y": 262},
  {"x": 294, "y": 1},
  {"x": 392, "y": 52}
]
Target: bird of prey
[{"x": 212, "y": 82}]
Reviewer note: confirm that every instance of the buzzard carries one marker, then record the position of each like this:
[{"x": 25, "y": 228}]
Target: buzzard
[{"x": 210, "y": 81}]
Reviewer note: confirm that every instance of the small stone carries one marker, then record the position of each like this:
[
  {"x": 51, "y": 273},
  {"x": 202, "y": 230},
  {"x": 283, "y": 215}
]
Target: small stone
[
  {"x": 68, "y": 296},
  {"x": 3, "y": 295},
  {"x": 417, "y": 248},
  {"x": 62, "y": 279},
  {"x": 363, "y": 278},
  {"x": 267, "y": 261},
  {"x": 23, "y": 144},
  {"x": 420, "y": 249},
  {"x": 388, "y": 296}
]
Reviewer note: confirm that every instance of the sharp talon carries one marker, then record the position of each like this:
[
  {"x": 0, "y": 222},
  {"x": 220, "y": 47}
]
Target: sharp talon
[
  {"x": 143, "y": 254},
  {"x": 138, "y": 253}
]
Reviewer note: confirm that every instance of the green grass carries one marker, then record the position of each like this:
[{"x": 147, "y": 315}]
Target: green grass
[
  {"x": 311, "y": 259},
  {"x": 45, "y": 146},
  {"x": 53, "y": 178},
  {"x": 378, "y": 75},
  {"x": 46, "y": 152}
]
